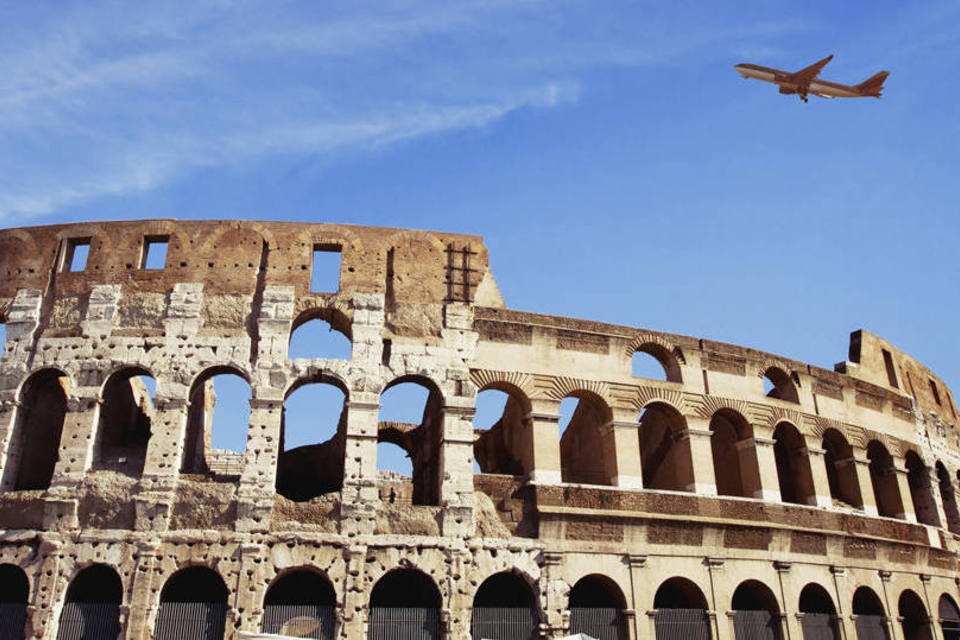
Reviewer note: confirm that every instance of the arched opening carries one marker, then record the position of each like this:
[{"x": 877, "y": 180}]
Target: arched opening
[
  {"x": 312, "y": 440},
  {"x": 596, "y": 608},
  {"x": 734, "y": 455},
  {"x": 913, "y": 617},
  {"x": 949, "y": 615},
  {"x": 665, "y": 449},
  {"x": 883, "y": 476},
  {"x": 3, "y": 337},
  {"x": 92, "y": 607},
  {"x": 14, "y": 594},
  {"x": 32, "y": 452},
  {"x": 819, "y": 621},
  {"x": 217, "y": 424},
  {"x": 404, "y": 603},
  {"x": 778, "y": 384},
  {"x": 505, "y": 607},
  {"x": 411, "y": 417},
  {"x": 841, "y": 469},
  {"x": 949, "y": 498},
  {"x": 301, "y": 604},
  {"x": 918, "y": 477},
  {"x": 193, "y": 604},
  {"x": 756, "y": 614},
  {"x": 126, "y": 415},
  {"x": 871, "y": 619},
  {"x": 793, "y": 465},
  {"x": 586, "y": 446},
  {"x": 681, "y": 611},
  {"x": 317, "y": 338},
  {"x": 504, "y": 438},
  {"x": 655, "y": 362}
]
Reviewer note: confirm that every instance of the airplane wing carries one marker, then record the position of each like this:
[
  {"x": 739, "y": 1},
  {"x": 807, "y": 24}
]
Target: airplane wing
[{"x": 804, "y": 77}]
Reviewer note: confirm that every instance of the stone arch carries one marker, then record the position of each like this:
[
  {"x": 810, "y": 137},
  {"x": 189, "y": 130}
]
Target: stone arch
[
  {"x": 596, "y": 605},
  {"x": 314, "y": 465},
  {"x": 662, "y": 352},
  {"x": 92, "y": 606},
  {"x": 948, "y": 496},
  {"x": 949, "y": 615},
  {"x": 913, "y": 617},
  {"x": 681, "y": 610},
  {"x": 506, "y": 604},
  {"x": 841, "y": 469},
  {"x": 193, "y": 603},
  {"x": 14, "y": 596},
  {"x": 819, "y": 613},
  {"x": 321, "y": 332},
  {"x": 35, "y": 442},
  {"x": 734, "y": 454},
  {"x": 756, "y": 612},
  {"x": 404, "y": 601},
  {"x": 883, "y": 476},
  {"x": 793, "y": 465},
  {"x": 871, "y": 618},
  {"x": 587, "y": 452},
  {"x": 199, "y": 455},
  {"x": 507, "y": 445},
  {"x": 422, "y": 442},
  {"x": 125, "y": 420},
  {"x": 300, "y": 602},
  {"x": 780, "y": 385},
  {"x": 921, "y": 491},
  {"x": 665, "y": 454}
]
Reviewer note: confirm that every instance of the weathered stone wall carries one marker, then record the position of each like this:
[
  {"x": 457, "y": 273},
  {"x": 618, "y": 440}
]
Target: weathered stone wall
[{"x": 842, "y": 478}]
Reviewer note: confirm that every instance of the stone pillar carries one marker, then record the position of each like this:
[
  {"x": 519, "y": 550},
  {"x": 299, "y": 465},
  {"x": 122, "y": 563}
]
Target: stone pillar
[
  {"x": 355, "y": 594},
  {"x": 866, "y": 484},
  {"x": 933, "y": 486},
  {"x": 456, "y": 468},
  {"x": 821, "y": 483},
  {"x": 154, "y": 503},
  {"x": 101, "y": 312},
  {"x": 248, "y": 597},
  {"x": 637, "y": 621},
  {"x": 359, "y": 497},
  {"x": 73, "y": 459},
  {"x": 626, "y": 450},
  {"x": 908, "y": 511},
  {"x": 766, "y": 467},
  {"x": 143, "y": 602},
  {"x": 555, "y": 597},
  {"x": 460, "y": 603},
  {"x": 701, "y": 455},
  {"x": 46, "y": 590},
  {"x": 894, "y": 630},
  {"x": 546, "y": 448},
  {"x": 722, "y": 624},
  {"x": 788, "y": 596},
  {"x": 8, "y": 421},
  {"x": 842, "y": 600},
  {"x": 258, "y": 480},
  {"x": 23, "y": 318}
]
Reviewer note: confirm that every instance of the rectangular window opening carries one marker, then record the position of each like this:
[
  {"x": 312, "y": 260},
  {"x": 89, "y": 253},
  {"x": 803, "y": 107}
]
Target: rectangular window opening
[
  {"x": 155, "y": 252},
  {"x": 891, "y": 370},
  {"x": 325, "y": 273},
  {"x": 936, "y": 392},
  {"x": 78, "y": 250}
]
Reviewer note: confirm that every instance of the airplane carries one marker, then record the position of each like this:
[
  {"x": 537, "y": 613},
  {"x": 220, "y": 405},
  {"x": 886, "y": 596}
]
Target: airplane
[{"x": 805, "y": 81}]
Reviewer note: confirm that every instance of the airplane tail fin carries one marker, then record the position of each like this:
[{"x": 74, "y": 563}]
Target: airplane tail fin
[{"x": 873, "y": 85}]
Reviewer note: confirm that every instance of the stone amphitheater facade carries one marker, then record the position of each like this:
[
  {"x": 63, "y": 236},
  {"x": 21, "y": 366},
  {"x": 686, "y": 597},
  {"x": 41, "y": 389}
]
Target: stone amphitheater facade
[{"x": 700, "y": 505}]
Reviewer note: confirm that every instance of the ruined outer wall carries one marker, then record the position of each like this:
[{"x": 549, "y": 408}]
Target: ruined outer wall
[{"x": 424, "y": 306}]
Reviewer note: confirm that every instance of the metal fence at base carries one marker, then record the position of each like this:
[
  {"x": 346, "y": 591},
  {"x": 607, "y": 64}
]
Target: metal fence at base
[
  {"x": 871, "y": 627},
  {"x": 190, "y": 621},
  {"x": 756, "y": 625},
  {"x": 950, "y": 629},
  {"x": 89, "y": 621},
  {"x": 503, "y": 623},
  {"x": 819, "y": 626},
  {"x": 403, "y": 623},
  {"x": 682, "y": 624},
  {"x": 598, "y": 622},
  {"x": 299, "y": 620},
  {"x": 13, "y": 615}
]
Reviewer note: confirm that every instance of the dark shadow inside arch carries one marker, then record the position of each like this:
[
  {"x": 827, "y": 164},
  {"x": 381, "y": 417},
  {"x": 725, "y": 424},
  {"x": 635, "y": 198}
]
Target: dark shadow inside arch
[
  {"x": 126, "y": 416},
  {"x": 302, "y": 604},
  {"x": 819, "y": 619},
  {"x": 841, "y": 469},
  {"x": 793, "y": 465},
  {"x": 665, "y": 449},
  {"x": 404, "y": 603},
  {"x": 33, "y": 449},
  {"x": 913, "y": 615},
  {"x": 921, "y": 490},
  {"x": 756, "y": 614},
  {"x": 193, "y": 604},
  {"x": 883, "y": 476},
  {"x": 596, "y": 608},
  {"x": 92, "y": 607},
  {"x": 734, "y": 455},
  {"x": 14, "y": 594},
  {"x": 949, "y": 615},
  {"x": 587, "y": 449},
  {"x": 871, "y": 621},
  {"x": 505, "y": 606},
  {"x": 948, "y": 496},
  {"x": 503, "y": 444},
  {"x": 681, "y": 611},
  {"x": 779, "y": 385}
]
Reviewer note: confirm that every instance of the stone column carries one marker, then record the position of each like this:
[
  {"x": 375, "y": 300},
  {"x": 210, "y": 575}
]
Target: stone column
[
  {"x": 933, "y": 486},
  {"x": 626, "y": 450},
  {"x": 545, "y": 426},
  {"x": 248, "y": 597},
  {"x": 788, "y": 596},
  {"x": 47, "y": 589},
  {"x": 863, "y": 479},
  {"x": 456, "y": 468},
  {"x": 73, "y": 459},
  {"x": 893, "y": 629},
  {"x": 821, "y": 483},
  {"x": 555, "y": 603},
  {"x": 460, "y": 604},
  {"x": 908, "y": 512},
  {"x": 355, "y": 594},
  {"x": 359, "y": 497},
  {"x": 258, "y": 480},
  {"x": 8, "y": 421},
  {"x": 701, "y": 456},
  {"x": 639, "y": 596},
  {"x": 154, "y": 503},
  {"x": 722, "y": 624},
  {"x": 143, "y": 602},
  {"x": 766, "y": 462},
  {"x": 842, "y": 599}
]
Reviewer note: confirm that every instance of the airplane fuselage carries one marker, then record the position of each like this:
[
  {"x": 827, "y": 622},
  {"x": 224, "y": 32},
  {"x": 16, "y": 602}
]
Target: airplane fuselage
[{"x": 817, "y": 87}]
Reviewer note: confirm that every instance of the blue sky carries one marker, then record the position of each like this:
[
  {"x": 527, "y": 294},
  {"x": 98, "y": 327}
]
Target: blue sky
[{"x": 617, "y": 166}]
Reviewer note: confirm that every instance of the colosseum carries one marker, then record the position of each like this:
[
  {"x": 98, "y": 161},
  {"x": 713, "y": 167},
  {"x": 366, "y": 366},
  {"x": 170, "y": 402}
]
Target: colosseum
[{"x": 731, "y": 495}]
